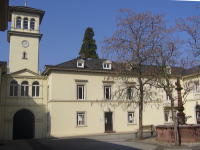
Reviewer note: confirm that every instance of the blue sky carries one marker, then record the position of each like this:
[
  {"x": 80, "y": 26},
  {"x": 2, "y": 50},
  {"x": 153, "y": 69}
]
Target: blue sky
[{"x": 65, "y": 21}]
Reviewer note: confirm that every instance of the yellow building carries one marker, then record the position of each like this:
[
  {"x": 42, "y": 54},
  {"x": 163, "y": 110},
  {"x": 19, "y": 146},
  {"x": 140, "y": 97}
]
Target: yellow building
[
  {"x": 77, "y": 97},
  {"x": 23, "y": 106}
]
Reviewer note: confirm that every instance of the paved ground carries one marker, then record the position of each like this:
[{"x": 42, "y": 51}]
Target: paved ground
[{"x": 100, "y": 142}]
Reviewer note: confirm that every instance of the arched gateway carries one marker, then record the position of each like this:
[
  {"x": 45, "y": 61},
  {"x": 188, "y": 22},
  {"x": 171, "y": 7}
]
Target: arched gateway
[{"x": 23, "y": 125}]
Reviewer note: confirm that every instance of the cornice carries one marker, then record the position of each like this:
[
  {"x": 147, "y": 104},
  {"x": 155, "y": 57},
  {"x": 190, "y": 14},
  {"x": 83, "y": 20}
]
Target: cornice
[
  {"x": 24, "y": 34},
  {"x": 26, "y": 10}
]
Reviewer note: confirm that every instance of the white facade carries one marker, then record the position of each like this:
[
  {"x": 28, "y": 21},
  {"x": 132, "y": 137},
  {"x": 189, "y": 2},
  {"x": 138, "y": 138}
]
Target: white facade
[{"x": 23, "y": 91}]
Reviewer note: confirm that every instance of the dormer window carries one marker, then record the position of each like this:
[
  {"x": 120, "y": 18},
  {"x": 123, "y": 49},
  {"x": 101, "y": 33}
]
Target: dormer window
[
  {"x": 107, "y": 65},
  {"x": 80, "y": 63}
]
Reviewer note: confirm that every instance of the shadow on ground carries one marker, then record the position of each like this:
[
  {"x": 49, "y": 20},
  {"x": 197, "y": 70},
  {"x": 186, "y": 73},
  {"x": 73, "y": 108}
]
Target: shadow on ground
[{"x": 76, "y": 144}]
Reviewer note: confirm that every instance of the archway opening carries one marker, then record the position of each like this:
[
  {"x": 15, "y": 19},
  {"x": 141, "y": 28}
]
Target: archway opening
[{"x": 23, "y": 125}]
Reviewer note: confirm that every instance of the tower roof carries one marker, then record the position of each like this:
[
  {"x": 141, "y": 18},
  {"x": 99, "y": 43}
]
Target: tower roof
[{"x": 26, "y": 10}]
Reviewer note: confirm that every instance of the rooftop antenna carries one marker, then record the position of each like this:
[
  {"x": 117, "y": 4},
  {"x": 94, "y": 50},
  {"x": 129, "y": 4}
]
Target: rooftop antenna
[{"x": 25, "y": 3}]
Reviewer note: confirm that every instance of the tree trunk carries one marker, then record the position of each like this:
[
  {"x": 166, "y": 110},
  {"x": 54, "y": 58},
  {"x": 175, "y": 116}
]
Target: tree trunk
[
  {"x": 141, "y": 109},
  {"x": 140, "y": 135}
]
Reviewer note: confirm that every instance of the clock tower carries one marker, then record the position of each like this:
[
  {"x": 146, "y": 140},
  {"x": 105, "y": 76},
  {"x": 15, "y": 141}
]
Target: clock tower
[{"x": 24, "y": 38}]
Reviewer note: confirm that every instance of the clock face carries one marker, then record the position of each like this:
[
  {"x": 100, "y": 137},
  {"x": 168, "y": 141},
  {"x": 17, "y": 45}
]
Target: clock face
[{"x": 25, "y": 43}]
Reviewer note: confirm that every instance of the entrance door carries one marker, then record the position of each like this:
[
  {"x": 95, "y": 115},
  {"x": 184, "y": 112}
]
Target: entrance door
[
  {"x": 23, "y": 125},
  {"x": 108, "y": 122}
]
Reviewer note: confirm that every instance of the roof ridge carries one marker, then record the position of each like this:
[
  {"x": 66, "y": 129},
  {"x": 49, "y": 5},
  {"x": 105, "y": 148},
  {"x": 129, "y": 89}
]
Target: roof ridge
[{"x": 65, "y": 62}]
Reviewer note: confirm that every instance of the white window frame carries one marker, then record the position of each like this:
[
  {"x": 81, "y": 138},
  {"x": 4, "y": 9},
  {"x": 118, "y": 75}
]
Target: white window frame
[
  {"x": 131, "y": 120},
  {"x": 168, "y": 70},
  {"x": 169, "y": 118},
  {"x": 167, "y": 98},
  {"x": 167, "y": 115},
  {"x": 35, "y": 86},
  {"x": 129, "y": 97},
  {"x": 109, "y": 89},
  {"x": 79, "y": 120},
  {"x": 196, "y": 87},
  {"x": 14, "y": 88},
  {"x": 80, "y": 63},
  {"x": 107, "y": 66},
  {"x": 25, "y": 89},
  {"x": 83, "y": 91}
]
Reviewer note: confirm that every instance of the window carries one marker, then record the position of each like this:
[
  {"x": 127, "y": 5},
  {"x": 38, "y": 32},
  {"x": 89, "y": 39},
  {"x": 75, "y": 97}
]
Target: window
[
  {"x": 35, "y": 89},
  {"x": 25, "y": 23},
  {"x": 129, "y": 93},
  {"x": 18, "y": 23},
  {"x": 168, "y": 70},
  {"x": 196, "y": 86},
  {"x": 81, "y": 119},
  {"x": 24, "y": 88},
  {"x": 24, "y": 55},
  {"x": 107, "y": 64},
  {"x": 32, "y": 24},
  {"x": 80, "y": 92},
  {"x": 167, "y": 98},
  {"x": 13, "y": 88},
  {"x": 131, "y": 118},
  {"x": 107, "y": 92},
  {"x": 80, "y": 63},
  {"x": 198, "y": 113},
  {"x": 166, "y": 115}
]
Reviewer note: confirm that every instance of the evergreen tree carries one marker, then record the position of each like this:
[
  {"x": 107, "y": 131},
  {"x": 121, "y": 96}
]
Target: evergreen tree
[{"x": 88, "y": 48}]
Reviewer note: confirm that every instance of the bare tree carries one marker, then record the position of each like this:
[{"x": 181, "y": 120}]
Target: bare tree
[
  {"x": 133, "y": 44},
  {"x": 191, "y": 25},
  {"x": 165, "y": 57},
  {"x": 170, "y": 67}
]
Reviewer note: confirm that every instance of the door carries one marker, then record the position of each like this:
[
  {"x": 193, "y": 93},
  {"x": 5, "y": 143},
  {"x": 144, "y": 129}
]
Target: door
[
  {"x": 108, "y": 122},
  {"x": 23, "y": 125}
]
